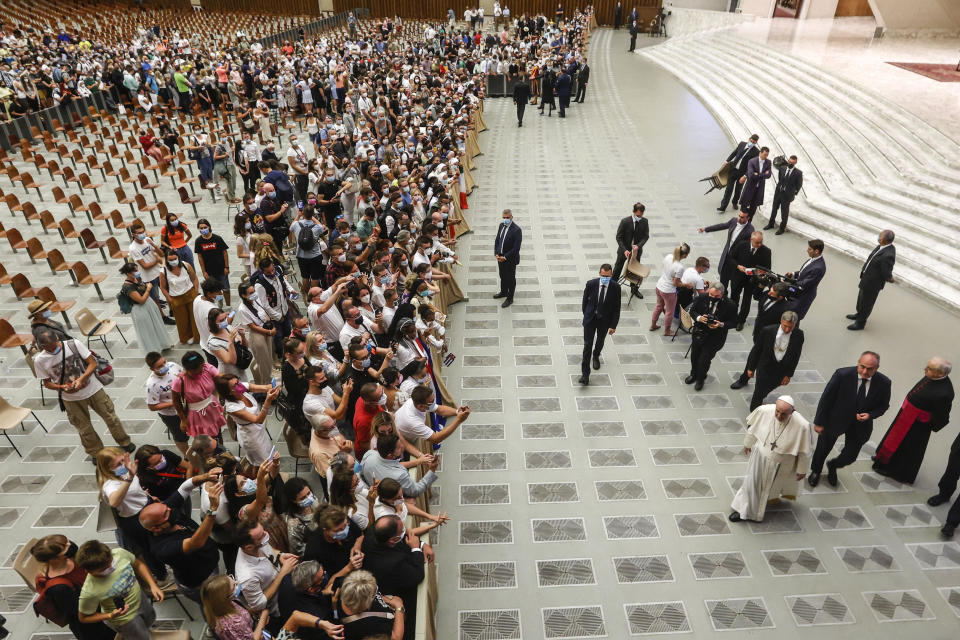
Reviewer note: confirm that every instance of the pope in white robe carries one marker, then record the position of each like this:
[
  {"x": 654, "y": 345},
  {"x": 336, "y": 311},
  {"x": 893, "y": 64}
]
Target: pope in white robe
[{"x": 780, "y": 443}]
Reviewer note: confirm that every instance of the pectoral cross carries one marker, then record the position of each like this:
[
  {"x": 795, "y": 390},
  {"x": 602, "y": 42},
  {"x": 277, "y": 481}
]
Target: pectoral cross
[{"x": 773, "y": 445}]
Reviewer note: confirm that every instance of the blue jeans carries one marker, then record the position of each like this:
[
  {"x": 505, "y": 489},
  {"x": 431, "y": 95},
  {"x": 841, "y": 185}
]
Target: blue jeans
[
  {"x": 186, "y": 255},
  {"x": 205, "y": 164}
]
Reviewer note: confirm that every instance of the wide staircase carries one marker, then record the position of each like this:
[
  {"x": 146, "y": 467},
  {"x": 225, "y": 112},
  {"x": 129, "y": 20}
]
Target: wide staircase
[{"x": 868, "y": 164}]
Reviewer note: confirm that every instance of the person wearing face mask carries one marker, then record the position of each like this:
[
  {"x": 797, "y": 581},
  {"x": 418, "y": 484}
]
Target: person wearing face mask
[
  {"x": 396, "y": 561},
  {"x": 308, "y": 235},
  {"x": 275, "y": 294},
  {"x": 714, "y": 315},
  {"x": 297, "y": 160},
  {"x": 199, "y": 410},
  {"x": 632, "y": 234},
  {"x": 390, "y": 502},
  {"x": 212, "y": 298},
  {"x": 324, "y": 314},
  {"x": 147, "y": 319},
  {"x": 160, "y": 399},
  {"x": 115, "y": 574},
  {"x": 506, "y": 248},
  {"x": 372, "y": 400},
  {"x": 211, "y": 252},
  {"x": 59, "y": 584},
  {"x": 386, "y": 461},
  {"x": 200, "y": 150},
  {"x": 329, "y": 193},
  {"x": 260, "y": 568},
  {"x": 300, "y": 509},
  {"x": 413, "y": 423},
  {"x": 259, "y": 332},
  {"x": 243, "y": 230},
  {"x": 41, "y": 318},
  {"x": 178, "y": 284},
  {"x": 601, "y": 314},
  {"x": 335, "y": 543},
  {"x": 247, "y": 414},
  {"x": 149, "y": 257},
  {"x": 175, "y": 236}
]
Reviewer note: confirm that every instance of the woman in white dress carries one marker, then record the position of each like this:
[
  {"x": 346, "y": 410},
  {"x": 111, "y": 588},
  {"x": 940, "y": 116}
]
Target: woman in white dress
[
  {"x": 223, "y": 342},
  {"x": 247, "y": 414},
  {"x": 253, "y": 318},
  {"x": 147, "y": 319}
]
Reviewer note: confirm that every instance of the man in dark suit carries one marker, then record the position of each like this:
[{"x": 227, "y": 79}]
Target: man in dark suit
[
  {"x": 809, "y": 277},
  {"x": 632, "y": 233},
  {"x": 563, "y": 91},
  {"x": 506, "y": 248},
  {"x": 583, "y": 77},
  {"x": 397, "y": 567},
  {"x": 773, "y": 358},
  {"x": 789, "y": 183},
  {"x": 754, "y": 182},
  {"x": 713, "y": 315},
  {"x": 744, "y": 153},
  {"x": 745, "y": 258},
  {"x": 601, "y": 313},
  {"x": 875, "y": 273},
  {"x": 521, "y": 96},
  {"x": 634, "y": 30},
  {"x": 853, "y": 398},
  {"x": 770, "y": 307},
  {"x": 738, "y": 230}
]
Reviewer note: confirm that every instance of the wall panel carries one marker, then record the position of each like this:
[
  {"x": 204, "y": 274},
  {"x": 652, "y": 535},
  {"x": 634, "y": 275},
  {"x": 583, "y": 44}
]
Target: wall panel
[{"x": 283, "y": 7}]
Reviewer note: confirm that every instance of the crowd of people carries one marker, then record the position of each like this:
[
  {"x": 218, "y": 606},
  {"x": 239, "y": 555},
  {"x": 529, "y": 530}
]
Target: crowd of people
[{"x": 342, "y": 256}]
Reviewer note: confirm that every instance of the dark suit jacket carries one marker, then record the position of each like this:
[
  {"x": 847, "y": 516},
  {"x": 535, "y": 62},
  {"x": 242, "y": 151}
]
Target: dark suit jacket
[
  {"x": 754, "y": 187},
  {"x": 608, "y": 313},
  {"x": 808, "y": 279},
  {"x": 584, "y": 76},
  {"x": 563, "y": 85},
  {"x": 770, "y": 315},
  {"x": 629, "y": 234},
  {"x": 508, "y": 244},
  {"x": 837, "y": 410},
  {"x": 521, "y": 93},
  {"x": 398, "y": 570},
  {"x": 788, "y": 188},
  {"x": 726, "y": 312},
  {"x": 740, "y": 157},
  {"x": 761, "y": 355},
  {"x": 741, "y": 256},
  {"x": 729, "y": 225},
  {"x": 878, "y": 268}
]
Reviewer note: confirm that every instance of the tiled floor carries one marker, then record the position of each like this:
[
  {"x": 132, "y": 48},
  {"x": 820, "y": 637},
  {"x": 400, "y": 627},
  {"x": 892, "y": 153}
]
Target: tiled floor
[{"x": 602, "y": 511}]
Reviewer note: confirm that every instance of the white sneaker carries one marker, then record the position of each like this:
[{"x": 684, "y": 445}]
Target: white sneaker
[{"x": 191, "y": 341}]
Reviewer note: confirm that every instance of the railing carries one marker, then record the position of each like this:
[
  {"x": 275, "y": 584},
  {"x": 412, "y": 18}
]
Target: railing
[
  {"x": 19, "y": 128},
  {"x": 501, "y": 86}
]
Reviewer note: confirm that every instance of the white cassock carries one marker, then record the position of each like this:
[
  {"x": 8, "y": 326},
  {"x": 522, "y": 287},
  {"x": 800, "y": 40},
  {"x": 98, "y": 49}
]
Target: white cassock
[{"x": 780, "y": 450}]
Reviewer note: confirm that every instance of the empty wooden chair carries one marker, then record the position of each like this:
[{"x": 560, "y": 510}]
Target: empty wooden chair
[
  {"x": 16, "y": 240},
  {"x": 89, "y": 241},
  {"x": 76, "y": 205},
  {"x": 192, "y": 201},
  {"x": 5, "y": 277},
  {"x": 60, "y": 197},
  {"x": 67, "y": 230},
  {"x": 10, "y": 338},
  {"x": 86, "y": 183},
  {"x": 94, "y": 165},
  {"x": 110, "y": 172},
  {"x": 93, "y": 327},
  {"x": 145, "y": 184},
  {"x": 113, "y": 248},
  {"x": 69, "y": 176},
  {"x": 145, "y": 207},
  {"x": 3, "y": 231},
  {"x": 56, "y": 306},
  {"x": 35, "y": 250},
  {"x": 12, "y": 416},
  {"x": 95, "y": 213},
  {"x": 21, "y": 287},
  {"x": 46, "y": 219},
  {"x": 30, "y": 183},
  {"x": 58, "y": 264},
  {"x": 123, "y": 199},
  {"x": 182, "y": 175},
  {"x": 30, "y": 212},
  {"x": 83, "y": 278},
  {"x": 13, "y": 203}
]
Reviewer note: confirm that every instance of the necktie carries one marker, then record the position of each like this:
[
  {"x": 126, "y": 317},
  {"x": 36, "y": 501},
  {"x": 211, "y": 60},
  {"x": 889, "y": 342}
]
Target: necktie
[
  {"x": 866, "y": 264},
  {"x": 753, "y": 251},
  {"x": 500, "y": 235},
  {"x": 603, "y": 292},
  {"x": 861, "y": 394}
]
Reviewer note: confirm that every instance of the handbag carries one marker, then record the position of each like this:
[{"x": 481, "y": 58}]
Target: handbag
[
  {"x": 244, "y": 355},
  {"x": 104, "y": 371}
]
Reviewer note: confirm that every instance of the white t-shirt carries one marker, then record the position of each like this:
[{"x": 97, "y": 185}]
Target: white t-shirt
[
  {"x": 48, "y": 368},
  {"x": 671, "y": 269},
  {"x": 315, "y": 405},
  {"x": 201, "y": 308},
  {"x": 135, "y": 499},
  {"x": 330, "y": 322},
  {"x": 692, "y": 276},
  {"x": 411, "y": 423},
  {"x": 147, "y": 252},
  {"x": 158, "y": 388}
]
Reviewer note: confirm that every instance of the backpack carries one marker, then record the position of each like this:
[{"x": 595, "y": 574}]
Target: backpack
[
  {"x": 126, "y": 304},
  {"x": 306, "y": 239},
  {"x": 43, "y": 607}
]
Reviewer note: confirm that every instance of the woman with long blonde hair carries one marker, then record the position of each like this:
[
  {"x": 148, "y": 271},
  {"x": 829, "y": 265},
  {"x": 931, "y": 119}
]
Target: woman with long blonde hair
[
  {"x": 226, "y": 617},
  {"x": 667, "y": 288}
]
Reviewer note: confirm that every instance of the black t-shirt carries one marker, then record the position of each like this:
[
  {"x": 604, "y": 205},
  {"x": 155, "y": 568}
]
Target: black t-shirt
[
  {"x": 335, "y": 555},
  {"x": 211, "y": 249},
  {"x": 381, "y": 622},
  {"x": 66, "y": 598},
  {"x": 162, "y": 484},
  {"x": 290, "y": 600},
  {"x": 327, "y": 190},
  {"x": 190, "y": 569}
]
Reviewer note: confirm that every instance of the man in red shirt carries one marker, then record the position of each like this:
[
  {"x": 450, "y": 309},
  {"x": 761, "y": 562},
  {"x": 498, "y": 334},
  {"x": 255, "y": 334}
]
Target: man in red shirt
[{"x": 371, "y": 402}]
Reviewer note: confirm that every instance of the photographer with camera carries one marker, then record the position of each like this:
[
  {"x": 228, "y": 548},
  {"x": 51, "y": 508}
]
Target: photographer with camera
[
  {"x": 773, "y": 302},
  {"x": 745, "y": 258},
  {"x": 713, "y": 315},
  {"x": 808, "y": 278}
]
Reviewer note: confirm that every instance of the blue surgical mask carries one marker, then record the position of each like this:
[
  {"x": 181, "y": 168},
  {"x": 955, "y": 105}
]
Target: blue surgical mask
[
  {"x": 433, "y": 406},
  {"x": 141, "y": 236},
  {"x": 322, "y": 346},
  {"x": 247, "y": 226},
  {"x": 57, "y": 350},
  {"x": 224, "y": 324},
  {"x": 121, "y": 471},
  {"x": 253, "y": 297},
  {"x": 506, "y": 222},
  {"x": 47, "y": 313},
  {"x": 162, "y": 371},
  {"x": 307, "y": 502},
  {"x": 357, "y": 467},
  {"x": 342, "y": 535},
  {"x": 238, "y": 591},
  {"x": 206, "y": 232},
  {"x": 365, "y": 363},
  {"x": 249, "y": 487},
  {"x": 272, "y": 194},
  {"x": 218, "y": 299},
  {"x": 605, "y": 280},
  {"x": 392, "y": 249}
]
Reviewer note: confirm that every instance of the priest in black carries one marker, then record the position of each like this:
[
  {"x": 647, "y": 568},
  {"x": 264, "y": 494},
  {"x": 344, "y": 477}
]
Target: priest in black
[
  {"x": 925, "y": 410},
  {"x": 853, "y": 398}
]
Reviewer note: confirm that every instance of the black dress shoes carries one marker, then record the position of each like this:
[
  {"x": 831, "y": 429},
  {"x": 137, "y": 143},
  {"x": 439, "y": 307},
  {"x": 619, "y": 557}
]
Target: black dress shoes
[
  {"x": 169, "y": 321},
  {"x": 689, "y": 380},
  {"x": 584, "y": 380},
  {"x": 499, "y": 295},
  {"x": 739, "y": 383},
  {"x": 948, "y": 529},
  {"x": 852, "y": 316},
  {"x": 507, "y": 303},
  {"x": 721, "y": 209},
  {"x": 769, "y": 226},
  {"x": 832, "y": 475},
  {"x": 734, "y": 517},
  {"x": 780, "y": 232},
  {"x": 856, "y": 326},
  {"x": 698, "y": 386},
  {"x": 813, "y": 479},
  {"x": 739, "y": 326},
  {"x": 596, "y": 363},
  {"x": 937, "y": 500}
]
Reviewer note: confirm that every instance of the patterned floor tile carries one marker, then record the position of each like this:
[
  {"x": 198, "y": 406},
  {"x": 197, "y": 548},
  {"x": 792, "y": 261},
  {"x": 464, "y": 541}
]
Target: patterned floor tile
[
  {"x": 562, "y": 573},
  {"x": 702, "y": 524},
  {"x": 493, "y": 461},
  {"x": 819, "y": 609},
  {"x": 540, "y": 404},
  {"x": 902, "y": 516},
  {"x": 893, "y": 606},
  {"x": 80, "y": 483},
  {"x": 611, "y": 458},
  {"x": 49, "y": 454},
  {"x": 486, "y": 532},
  {"x": 636, "y": 358},
  {"x": 544, "y": 382},
  {"x": 674, "y": 455},
  {"x": 867, "y": 559},
  {"x": 596, "y": 380},
  {"x": 611, "y": 429},
  {"x": 707, "y": 566},
  {"x": 558, "y": 530},
  {"x": 620, "y": 490},
  {"x": 793, "y": 562},
  {"x": 573, "y": 622},
  {"x": 656, "y": 617},
  {"x": 630, "y": 527},
  {"x": 15, "y": 599},
  {"x": 488, "y": 575},
  {"x": 663, "y": 427},
  {"x": 712, "y": 426},
  {"x": 841, "y": 518},
  {"x": 687, "y": 488},
  {"x": 547, "y": 460},
  {"x": 484, "y": 494},
  {"x": 494, "y": 624},
  {"x": 472, "y": 361},
  {"x": 534, "y": 430},
  {"x": 64, "y": 516},
  {"x": 952, "y": 597},
  {"x": 598, "y": 403},
  {"x": 778, "y": 520},
  {"x": 552, "y": 492},
  {"x": 10, "y": 515},
  {"x": 729, "y": 453},
  {"x": 480, "y": 382},
  {"x": 632, "y": 569},
  {"x": 709, "y": 401},
  {"x": 643, "y": 379},
  {"x": 738, "y": 613},
  {"x": 24, "y": 484},
  {"x": 647, "y": 402},
  {"x": 936, "y": 555},
  {"x": 876, "y": 483},
  {"x": 482, "y": 431},
  {"x": 533, "y": 359}
]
